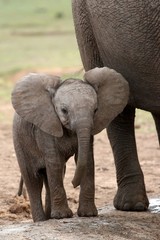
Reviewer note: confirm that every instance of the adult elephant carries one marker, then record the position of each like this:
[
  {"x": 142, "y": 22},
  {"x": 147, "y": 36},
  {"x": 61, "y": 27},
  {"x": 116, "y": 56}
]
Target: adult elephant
[{"x": 124, "y": 35}]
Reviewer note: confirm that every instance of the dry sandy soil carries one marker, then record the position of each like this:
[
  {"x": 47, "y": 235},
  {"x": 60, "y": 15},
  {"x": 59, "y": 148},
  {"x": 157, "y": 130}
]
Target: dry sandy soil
[{"x": 15, "y": 218}]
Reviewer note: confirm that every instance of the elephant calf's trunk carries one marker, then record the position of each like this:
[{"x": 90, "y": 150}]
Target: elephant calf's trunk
[
  {"x": 80, "y": 170},
  {"x": 83, "y": 154}
]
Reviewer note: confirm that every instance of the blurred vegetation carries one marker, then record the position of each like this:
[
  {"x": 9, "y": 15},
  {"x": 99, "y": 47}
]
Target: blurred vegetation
[
  {"x": 39, "y": 34},
  {"x": 144, "y": 122},
  {"x": 35, "y": 35}
]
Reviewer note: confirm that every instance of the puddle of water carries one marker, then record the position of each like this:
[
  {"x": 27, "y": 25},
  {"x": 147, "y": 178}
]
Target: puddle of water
[{"x": 154, "y": 205}]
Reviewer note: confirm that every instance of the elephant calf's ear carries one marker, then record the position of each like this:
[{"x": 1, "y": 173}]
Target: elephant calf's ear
[
  {"x": 112, "y": 94},
  {"x": 32, "y": 101}
]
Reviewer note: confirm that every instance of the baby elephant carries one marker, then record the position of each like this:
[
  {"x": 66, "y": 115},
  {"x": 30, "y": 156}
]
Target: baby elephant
[{"x": 55, "y": 120}]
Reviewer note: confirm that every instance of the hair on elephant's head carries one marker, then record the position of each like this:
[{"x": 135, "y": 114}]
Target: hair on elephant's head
[{"x": 85, "y": 107}]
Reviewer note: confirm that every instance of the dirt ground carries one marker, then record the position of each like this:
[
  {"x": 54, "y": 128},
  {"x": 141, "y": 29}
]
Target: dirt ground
[{"x": 15, "y": 218}]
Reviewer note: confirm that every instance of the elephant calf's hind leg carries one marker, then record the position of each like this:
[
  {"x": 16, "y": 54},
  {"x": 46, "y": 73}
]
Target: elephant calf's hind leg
[{"x": 34, "y": 188}]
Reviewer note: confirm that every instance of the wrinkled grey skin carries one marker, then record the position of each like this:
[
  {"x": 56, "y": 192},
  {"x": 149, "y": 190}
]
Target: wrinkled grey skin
[
  {"x": 55, "y": 120},
  {"x": 124, "y": 35}
]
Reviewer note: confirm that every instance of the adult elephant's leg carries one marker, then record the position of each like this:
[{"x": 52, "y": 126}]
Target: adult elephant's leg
[
  {"x": 87, "y": 206},
  {"x": 131, "y": 194},
  {"x": 157, "y": 123}
]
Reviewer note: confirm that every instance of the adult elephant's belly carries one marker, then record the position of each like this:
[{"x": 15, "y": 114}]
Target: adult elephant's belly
[{"x": 145, "y": 95}]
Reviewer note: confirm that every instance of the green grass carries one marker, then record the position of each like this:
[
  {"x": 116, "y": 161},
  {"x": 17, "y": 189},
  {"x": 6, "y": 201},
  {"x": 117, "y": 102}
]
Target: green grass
[
  {"x": 144, "y": 122},
  {"x": 32, "y": 14},
  {"x": 5, "y": 90},
  {"x": 34, "y": 35},
  {"x": 38, "y": 52}
]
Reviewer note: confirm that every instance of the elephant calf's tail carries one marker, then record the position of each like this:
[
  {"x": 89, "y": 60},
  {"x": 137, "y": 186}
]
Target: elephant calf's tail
[{"x": 22, "y": 189}]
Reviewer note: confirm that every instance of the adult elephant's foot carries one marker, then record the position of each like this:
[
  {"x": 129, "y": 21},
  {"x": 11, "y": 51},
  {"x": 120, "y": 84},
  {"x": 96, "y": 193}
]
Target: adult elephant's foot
[
  {"x": 64, "y": 212},
  {"x": 87, "y": 210},
  {"x": 131, "y": 197}
]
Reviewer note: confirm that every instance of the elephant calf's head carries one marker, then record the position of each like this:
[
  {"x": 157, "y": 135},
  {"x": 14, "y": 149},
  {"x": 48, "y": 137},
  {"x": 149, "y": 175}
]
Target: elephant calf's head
[{"x": 75, "y": 102}]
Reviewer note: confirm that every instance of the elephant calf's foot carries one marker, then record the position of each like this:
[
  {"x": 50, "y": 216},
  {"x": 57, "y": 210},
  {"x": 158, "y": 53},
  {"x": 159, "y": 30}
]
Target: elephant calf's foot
[
  {"x": 87, "y": 210},
  {"x": 131, "y": 198},
  {"x": 38, "y": 217},
  {"x": 62, "y": 213}
]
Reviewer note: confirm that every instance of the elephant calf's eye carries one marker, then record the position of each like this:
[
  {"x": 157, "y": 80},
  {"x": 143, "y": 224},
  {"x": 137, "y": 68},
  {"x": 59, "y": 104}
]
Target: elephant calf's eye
[{"x": 64, "y": 111}]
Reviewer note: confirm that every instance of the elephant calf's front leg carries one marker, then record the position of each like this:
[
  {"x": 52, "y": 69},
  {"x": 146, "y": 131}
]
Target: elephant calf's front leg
[
  {"x": 87, "y": 206},
  {"x": 59, "y": 205}
]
